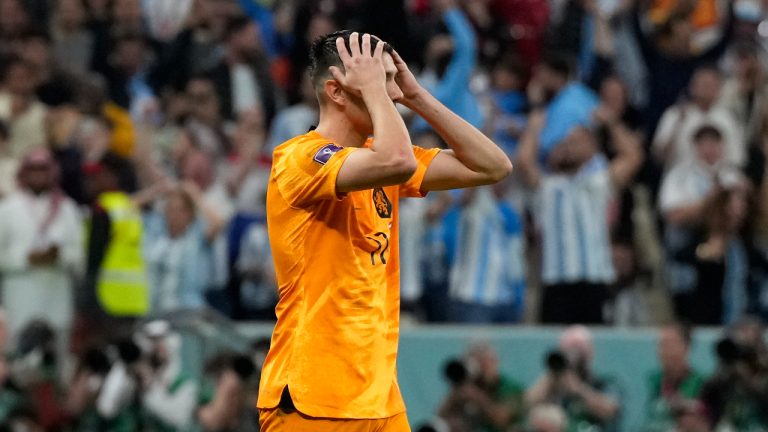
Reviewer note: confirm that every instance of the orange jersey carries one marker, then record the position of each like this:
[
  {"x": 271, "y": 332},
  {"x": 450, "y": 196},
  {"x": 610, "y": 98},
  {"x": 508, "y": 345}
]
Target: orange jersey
[{"x": 337, "y": 266}]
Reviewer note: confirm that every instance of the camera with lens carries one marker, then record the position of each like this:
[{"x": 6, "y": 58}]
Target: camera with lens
[
  {"x": 458, "y": 371},
  {"x": 556, "y": 362},
  {"x": 241, "y": 365}
]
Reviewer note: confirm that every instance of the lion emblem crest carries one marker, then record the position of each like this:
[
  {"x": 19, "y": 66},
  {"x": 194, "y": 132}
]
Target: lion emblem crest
[{"x": 382, "y": 203}]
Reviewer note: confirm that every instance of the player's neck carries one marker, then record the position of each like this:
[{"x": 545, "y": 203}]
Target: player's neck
[{"x": 339, "y": 131}]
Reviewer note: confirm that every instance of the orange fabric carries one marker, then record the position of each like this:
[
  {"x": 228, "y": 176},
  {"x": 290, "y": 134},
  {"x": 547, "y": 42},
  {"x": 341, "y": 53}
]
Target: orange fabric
[
  {"x": 337, "y": 266},
  {"x": 274, "y": 420},
  {"x": 704, "y": 15},
  {"x": 123, "y": 134}
]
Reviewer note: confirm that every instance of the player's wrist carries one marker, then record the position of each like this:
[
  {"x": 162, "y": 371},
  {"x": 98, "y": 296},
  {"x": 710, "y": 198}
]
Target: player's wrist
[{"x": 417, "y": 100}]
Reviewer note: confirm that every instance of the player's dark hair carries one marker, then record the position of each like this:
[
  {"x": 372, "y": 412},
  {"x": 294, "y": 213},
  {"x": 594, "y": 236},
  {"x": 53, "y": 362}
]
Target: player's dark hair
[
  {"x": 323, "y": 53},
  {"x": 707, "y": 131}
]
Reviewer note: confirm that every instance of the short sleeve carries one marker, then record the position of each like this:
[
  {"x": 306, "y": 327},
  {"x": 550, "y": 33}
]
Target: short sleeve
[
  {"x": 412, "y": 188},
  {"x": 306, "y": 171},
  {"x": 678, "y": 189}
]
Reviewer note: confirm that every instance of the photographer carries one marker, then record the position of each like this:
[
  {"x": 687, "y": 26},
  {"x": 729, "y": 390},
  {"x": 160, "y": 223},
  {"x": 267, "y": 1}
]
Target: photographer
[
  {"x": 589, "y": 401},
  {"x": 80, "y": 404},
  {"x": 481, "y": 399},
  {"x": 36, "y": 369},
  {"x": 117, "y": 403},
  {"x": 674, "y": 388},
  {"x": 736, "y": 396},
  {"x": 169, "y": 395},
  {"x": 226, "y": 406}
]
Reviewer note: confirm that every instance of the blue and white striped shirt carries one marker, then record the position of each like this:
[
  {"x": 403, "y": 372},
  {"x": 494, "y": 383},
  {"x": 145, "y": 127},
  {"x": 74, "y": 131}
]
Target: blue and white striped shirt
[
  {"x": 488, "y": 264},
  {"x": 573, "y": 217}
]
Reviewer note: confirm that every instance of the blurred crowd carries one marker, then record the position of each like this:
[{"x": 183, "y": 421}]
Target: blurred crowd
[
  {"x": 570, "y": 395},
  {"x": 141, "y": 381},
  {"x": 136, "y": 140}
]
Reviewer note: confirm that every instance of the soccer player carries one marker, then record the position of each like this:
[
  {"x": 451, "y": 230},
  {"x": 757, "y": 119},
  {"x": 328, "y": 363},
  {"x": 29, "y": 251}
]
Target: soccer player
[{"x": 332, "y": 206}]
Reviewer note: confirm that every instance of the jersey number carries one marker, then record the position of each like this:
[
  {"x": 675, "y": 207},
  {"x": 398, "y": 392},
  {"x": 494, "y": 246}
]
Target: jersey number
[{"x": 381, "y": 247}]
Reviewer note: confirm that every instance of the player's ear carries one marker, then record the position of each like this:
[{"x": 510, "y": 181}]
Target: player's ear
[{"x": 333, "y": 92}]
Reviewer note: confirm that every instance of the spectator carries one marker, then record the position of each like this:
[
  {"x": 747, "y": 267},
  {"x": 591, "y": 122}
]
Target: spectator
[
  {"x": 72, "y": 42},
  {"x": 296, "y": 119},
  {"x": 547, "y": 418},
  {"x": 572, "y": 201},
  {"x": 744, "y": 94},
  {"x": 568, "y": 103},
  {"x": 116, "y": 290},
  {"x": 179, "y": 250},
  {"x": 669, "y": 60},
  {"x": 8, "y": 164},
  {"x": 11, "y": 397},
  {"x": 249, "y": 167},
  {"x": 19, "y": 107},
  {"x": 38, "y": 362},
  {"x": 452, "y": 59},
  {"x": 242, "y": 78},
  {"x": 629, "y": 305},
  {"x": 118, "y": 404},
  {"x": 485, "y": 399},
  {"x": 689, "y": 193},
  {"x": 169, "y": 395},
  {"x": 205, "y": 121},
  {"x": 227, "y": 407},
  {"x": 508, "y": 103},
  {"x": 757, "y": 231},
  {"x": 588, "y": 400},
  {"x": 125, "y": 73},
  {"x": 40, "y": 248},
  {"x": 736, "y": 395},
  {"x": 258, "y": 289},
  {"x": 675, "y": 387},
  {"x": 14, "y": 19},
  {"x": 672, "y": 143},
  {"x": 80, "y": 402},
  {"x": 487, "y": 278}
]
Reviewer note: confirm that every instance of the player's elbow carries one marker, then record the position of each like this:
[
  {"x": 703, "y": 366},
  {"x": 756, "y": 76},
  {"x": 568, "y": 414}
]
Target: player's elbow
[
  {"x": 402, "y": 168},
  {"x": 501, "y": 171}
]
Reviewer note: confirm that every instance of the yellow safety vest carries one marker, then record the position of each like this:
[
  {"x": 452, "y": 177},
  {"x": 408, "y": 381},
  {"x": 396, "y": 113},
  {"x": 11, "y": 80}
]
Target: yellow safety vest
[{"x": 122, "y": 287}]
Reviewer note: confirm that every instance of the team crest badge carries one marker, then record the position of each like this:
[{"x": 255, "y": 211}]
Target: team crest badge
[{"x": 382, "y": 203}]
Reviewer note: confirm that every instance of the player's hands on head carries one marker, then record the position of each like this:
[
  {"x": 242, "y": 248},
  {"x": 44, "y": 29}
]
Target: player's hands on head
[
  {"x": 363, "y": 65},
  {"x": 405, "y": 79}
]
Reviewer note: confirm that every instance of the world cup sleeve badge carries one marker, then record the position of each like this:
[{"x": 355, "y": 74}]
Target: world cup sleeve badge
[{"x": 324, "y": 154}]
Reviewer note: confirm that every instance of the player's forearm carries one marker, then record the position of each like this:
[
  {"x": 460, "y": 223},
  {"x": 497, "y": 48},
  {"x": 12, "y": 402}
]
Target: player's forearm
[
  {"x": 471, "y": 147},
  {"x": 391, "y": 139}
]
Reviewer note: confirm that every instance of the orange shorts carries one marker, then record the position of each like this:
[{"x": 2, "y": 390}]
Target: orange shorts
[{"x": 276, "y": 420}]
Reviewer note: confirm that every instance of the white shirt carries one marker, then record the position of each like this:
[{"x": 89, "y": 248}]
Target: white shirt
[
  {"x": 489, "y": 265},
  {"x": 679, "y": 124},
  {"x": 573, "y": 218},
  {"x": 246, "y": 94},
  {"x": 686, "y": 183},
  {"x": 27, "y": 129},
  {"x": 412, "y": 213},
  {"x": 40, "y": 291}
]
